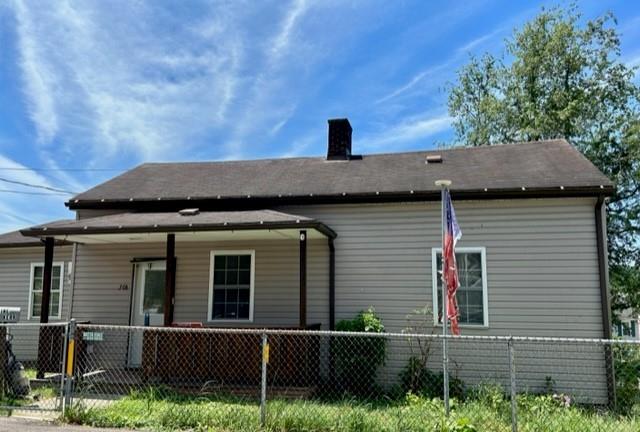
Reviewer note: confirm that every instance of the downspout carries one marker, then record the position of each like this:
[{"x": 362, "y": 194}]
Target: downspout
[
  {"x": 72, "y": 282},
  {"x": 605, "y": 297},
  {"x": 332, "y": 285}
]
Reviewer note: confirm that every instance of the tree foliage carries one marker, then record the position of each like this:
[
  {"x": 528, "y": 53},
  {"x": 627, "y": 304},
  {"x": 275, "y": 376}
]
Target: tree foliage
[{"x": 562, "y": 77}]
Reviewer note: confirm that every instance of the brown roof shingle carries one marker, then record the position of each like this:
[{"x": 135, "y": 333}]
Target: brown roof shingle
[
  {"x": 174, "y": 221},
  {"x": 541, "y": 165}
]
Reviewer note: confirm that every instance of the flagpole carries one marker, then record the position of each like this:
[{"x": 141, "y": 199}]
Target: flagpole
[{"x": 444, "y": 184}]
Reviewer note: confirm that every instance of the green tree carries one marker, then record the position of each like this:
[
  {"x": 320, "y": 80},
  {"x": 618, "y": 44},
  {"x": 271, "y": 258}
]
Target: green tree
[{"x": 561, "y": 77}]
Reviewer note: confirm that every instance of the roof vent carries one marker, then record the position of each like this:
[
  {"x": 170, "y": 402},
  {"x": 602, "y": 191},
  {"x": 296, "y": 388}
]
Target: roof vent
[
  {"x": 436, "y": 158},
  {"x": 189, "y": 212}
]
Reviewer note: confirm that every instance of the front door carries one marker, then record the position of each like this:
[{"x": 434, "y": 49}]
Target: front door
[{"x": 148, "y": 303}]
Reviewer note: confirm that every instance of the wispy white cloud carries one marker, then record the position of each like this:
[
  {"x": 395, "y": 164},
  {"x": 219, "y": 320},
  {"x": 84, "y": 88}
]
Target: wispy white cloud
[
  {"x": 39, "y": 80},
  {"x": 411, "y": 130},
  {"x": 132, "y": 90}
]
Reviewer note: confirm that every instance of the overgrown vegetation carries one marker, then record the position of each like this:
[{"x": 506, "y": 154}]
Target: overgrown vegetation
[
  {"x": 357, "y": 359},
  {"x": 562, "y": 76},
  {"x": 486, "y": 409}
]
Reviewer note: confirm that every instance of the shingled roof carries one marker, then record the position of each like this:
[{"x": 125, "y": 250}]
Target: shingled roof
[
  {"x": 553, "y": 165},
  {"x": 17, "y": 239}
]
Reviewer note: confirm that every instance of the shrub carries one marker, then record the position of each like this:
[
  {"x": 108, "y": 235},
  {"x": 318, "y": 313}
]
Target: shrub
[
  {"x": 357, "y": 359},
  {"x": 416, "y": 378},
  {"x": 627, "y": 370}
]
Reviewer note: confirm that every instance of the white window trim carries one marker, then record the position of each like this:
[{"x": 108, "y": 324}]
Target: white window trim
[
  {"x": 485, "y": 296},
  {"x": 214, "y": 253},
  {"x": 31, "y": 277}
]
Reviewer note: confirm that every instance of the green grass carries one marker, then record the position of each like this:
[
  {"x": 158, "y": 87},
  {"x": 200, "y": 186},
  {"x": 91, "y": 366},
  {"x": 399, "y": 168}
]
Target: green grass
[{"x": 413, "y": 413}]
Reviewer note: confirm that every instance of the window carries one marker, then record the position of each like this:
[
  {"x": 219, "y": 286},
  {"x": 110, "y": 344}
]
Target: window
[
  {"x": 472, "y": 293},
  {"x": 626, "y": 329},
  {"x": 35, "y": 290},
  {"x": 231, "y": 285}
]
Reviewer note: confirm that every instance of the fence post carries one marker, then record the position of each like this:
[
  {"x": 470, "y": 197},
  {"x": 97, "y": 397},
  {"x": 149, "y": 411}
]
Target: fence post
[
  {"x": 69, "y": 363},
  {"x": 512, "y": 381},
  {"x": 263, "y": 391}
]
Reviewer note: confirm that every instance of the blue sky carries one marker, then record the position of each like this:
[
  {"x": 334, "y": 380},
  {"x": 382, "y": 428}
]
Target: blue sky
[{"x": 89, "y": 89}]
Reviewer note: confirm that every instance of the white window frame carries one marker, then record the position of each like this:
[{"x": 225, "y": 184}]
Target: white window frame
[
  {"x": 31, "y": 277},
  {"x": 485, "y": 297},
  {"x": 225, "y": 252}
]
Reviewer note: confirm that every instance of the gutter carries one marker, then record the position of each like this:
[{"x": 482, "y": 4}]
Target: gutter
[{"x": 256, "y": 202}]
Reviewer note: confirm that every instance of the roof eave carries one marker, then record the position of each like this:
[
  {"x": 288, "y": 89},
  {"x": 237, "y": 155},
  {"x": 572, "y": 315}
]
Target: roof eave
[
  {"x": 53, "y": 231},
  {"x": 360, "y": 197}
]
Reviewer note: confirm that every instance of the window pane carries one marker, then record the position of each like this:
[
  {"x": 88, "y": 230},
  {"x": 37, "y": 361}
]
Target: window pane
[
  {"x": 153, "y": 301},
  {"x": 243, "y": 295},
  {"x": 231, "y": 310},
  {"x": 36, "y": 303},
  {"x": 232, "y": 262},
  {"x": 37, "y": 271},
  {"x": 218, "y": 295},
  {"x": 55, "y": 284},
  {"x": 218, "y": 277},
  {"x": 243, "y": 311},
  {"x": 232, "y": 296},
  {"x": 218, "y": 311},
  {"x": 244, "y": 277},
  {"x": 232, "y": 277},
  {"x": 55, "y": 272},
  {"x": 219, "y": 262},
  {"x": 245, "y": 262},
  {"x": 37, "y": 284},
  {"x": 54, "y": 304}
]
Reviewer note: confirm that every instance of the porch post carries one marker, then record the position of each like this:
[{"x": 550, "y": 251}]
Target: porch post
[
  {"x": 303, "y": 279},
  {"x": 170, "y": 280},
  {"x": 46, "y": 280},
  {"x": 44, "y": 336}
]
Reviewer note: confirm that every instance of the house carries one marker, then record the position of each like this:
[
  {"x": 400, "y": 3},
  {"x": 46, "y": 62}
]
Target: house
[{"x": 309, "y": 241}]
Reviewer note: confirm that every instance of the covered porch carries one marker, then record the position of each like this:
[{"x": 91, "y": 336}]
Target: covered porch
[{"x": 254, "y": 240}]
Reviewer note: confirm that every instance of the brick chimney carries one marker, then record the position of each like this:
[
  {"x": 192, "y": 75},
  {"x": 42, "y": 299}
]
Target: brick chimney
[{"x": 339, "y": 139}]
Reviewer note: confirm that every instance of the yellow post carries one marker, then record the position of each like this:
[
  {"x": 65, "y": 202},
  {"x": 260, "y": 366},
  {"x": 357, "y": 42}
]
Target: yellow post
[{"x": 70, "y": 353}]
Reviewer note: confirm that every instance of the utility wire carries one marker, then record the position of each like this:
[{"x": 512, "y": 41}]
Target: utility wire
[
  {"x": 58, "y": 169},
  {"x": 35, "y": 193},
  {"x": 37, "y": 186}
]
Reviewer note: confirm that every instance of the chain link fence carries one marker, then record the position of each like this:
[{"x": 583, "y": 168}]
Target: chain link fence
[
  {"x": 33, "y": 373},
  {"x": 232, "y": 379}
]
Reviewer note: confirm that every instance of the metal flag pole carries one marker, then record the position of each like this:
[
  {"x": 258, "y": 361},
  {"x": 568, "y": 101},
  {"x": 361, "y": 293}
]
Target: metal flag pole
[{"x": 444, "y": 184}]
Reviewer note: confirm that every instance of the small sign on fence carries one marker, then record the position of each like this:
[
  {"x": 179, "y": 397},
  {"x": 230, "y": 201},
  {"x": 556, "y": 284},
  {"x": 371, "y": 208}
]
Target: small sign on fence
[{"x": 93, "y": 336}]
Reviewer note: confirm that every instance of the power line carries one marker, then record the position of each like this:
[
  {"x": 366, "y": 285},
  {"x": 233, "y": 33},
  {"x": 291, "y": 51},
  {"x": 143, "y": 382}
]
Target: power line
[
  {"x": 35, "y": 193},
  {"x": 58, "y": 169},
  {"x": 36, "y": 186}
]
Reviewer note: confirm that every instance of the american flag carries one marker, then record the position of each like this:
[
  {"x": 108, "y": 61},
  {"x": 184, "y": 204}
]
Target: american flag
[{"x": 449, "y": 269}]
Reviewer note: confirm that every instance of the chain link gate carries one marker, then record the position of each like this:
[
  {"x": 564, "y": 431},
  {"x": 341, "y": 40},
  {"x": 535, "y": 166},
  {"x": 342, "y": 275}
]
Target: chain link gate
[{"x": 33, "y": 361}]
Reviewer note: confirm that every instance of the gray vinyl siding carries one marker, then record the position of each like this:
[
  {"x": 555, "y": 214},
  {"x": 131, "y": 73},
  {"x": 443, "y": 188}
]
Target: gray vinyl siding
[
  {"x": 102, "y": 269},
  {"x": 542, "y": 266},
  {"x": 542, "y": 280},
  {"x": 15, "y": 274}
]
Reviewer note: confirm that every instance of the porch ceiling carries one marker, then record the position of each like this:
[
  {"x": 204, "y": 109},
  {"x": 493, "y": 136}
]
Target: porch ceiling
[{"x": 201, "y": 226}]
